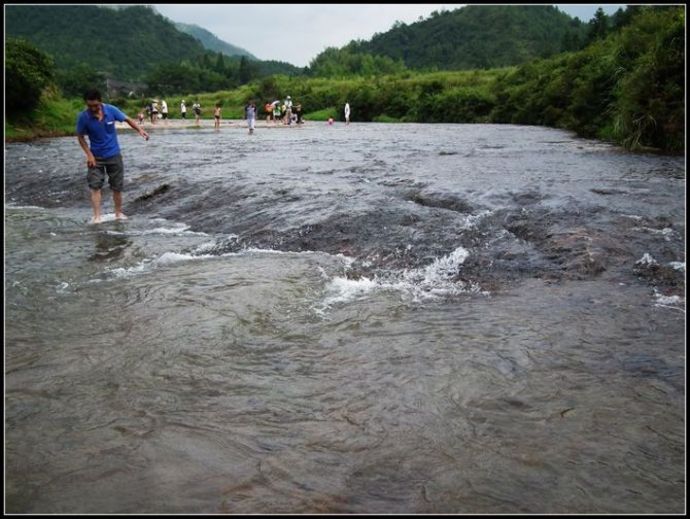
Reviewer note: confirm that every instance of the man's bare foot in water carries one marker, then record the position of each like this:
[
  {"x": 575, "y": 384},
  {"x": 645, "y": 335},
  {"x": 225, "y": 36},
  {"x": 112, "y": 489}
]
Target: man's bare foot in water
[
  {"x": 120, "y": 216},
  {"x": 96, "y": 219}
]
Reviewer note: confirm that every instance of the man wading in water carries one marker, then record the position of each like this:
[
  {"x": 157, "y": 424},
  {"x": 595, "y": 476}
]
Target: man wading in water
[{"x": 98, "y": 122}]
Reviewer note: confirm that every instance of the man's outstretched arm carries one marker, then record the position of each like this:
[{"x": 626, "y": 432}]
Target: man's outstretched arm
[{"x": 138, "y": 128}]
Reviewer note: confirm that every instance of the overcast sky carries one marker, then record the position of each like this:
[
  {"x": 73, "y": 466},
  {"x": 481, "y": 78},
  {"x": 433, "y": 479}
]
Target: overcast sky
[{"x": 297, "y": 33}]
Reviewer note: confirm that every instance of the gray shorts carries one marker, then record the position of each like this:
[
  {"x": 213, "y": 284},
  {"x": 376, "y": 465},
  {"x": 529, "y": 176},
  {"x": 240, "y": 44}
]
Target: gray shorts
[{"x": 113, "y": 167}]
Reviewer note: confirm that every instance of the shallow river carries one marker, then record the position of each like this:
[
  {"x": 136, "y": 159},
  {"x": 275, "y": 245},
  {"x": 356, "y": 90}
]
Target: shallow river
[{"x": 374, "y": 318}]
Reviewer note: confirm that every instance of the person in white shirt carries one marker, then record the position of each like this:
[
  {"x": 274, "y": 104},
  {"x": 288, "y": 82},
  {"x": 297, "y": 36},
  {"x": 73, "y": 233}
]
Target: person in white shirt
[
  {"x": 288, "y": 110},
  {"x": 183, "y": 109},
  {"x": 250, "y": 114},
  {"x": 347, "y": 113},
  {"x": 164, "y": 111}
]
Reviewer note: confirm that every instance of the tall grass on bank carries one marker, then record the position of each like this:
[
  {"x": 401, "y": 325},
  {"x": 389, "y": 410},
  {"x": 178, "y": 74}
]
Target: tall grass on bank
[{"x": 53, "y": 117}]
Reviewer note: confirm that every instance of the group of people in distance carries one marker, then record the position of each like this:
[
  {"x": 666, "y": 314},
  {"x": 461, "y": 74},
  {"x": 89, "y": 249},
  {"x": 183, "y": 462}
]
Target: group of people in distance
[
  {"x": 285, "y": 112},
  {"x": 153, "y": 111}
]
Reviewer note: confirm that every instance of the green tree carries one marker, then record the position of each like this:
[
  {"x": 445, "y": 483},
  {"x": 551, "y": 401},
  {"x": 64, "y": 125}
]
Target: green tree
[
  {"x": 220, "y": 64},
  {"x": 245, "y": 72},
  {"x": 27, "y": 72},
  {"x": 268, "y": 89},
  {"x": 598, "y": 26},
  {"x": 650, "y": 107},
  {"x": 73, "y": 82}
]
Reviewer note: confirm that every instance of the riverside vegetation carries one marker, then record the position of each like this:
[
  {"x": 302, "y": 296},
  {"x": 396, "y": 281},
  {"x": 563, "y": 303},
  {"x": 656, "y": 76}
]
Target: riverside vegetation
[{"x": 626, "y": 86}]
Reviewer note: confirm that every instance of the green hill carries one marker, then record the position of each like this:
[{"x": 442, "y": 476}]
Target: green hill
[
  {"x": 211, "y": 42},
  {"x": 124, "y": 43},
  {"x": 132, "y": 43},
  {"x": 474, "y": 36}
]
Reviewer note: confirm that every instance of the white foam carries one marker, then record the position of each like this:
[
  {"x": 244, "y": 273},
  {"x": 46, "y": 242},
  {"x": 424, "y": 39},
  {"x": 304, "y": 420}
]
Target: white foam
[
  {"x": 128, "y": 271},
  {"x": 109, "y": 217},
  {"x": 668, "y": 301},
  {"x": 176, "y": 229},
  {"x": 165, "y": 259},
  {"x": 12, "y": 206},
  {"x": 343, "y": 290},
  {"x": 443, "y": 268},
  {"x": 347, "y": 260},
  {"x": 180, "y": 229},
  {"x": 431, "y": 282},
  {"x": 666, "y": 232},
  {"x": 646, "y": 259},
  {"x": 205, "y": 247},
  {"x": 254, "y": 250},
  {"x": 678, "y": 265},
  {"x": 472, "y": 220},
  {"x": 170, "y": 258}
]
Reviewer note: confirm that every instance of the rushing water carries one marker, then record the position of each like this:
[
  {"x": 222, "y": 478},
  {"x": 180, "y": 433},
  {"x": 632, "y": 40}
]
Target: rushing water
[{"x": 373, "y": 318}]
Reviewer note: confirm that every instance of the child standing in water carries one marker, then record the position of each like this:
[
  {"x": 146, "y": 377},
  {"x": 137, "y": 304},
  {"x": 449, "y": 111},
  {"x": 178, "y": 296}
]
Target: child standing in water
[
  {"x": 216, "y": 115},
  {"x": 276, "y": 112},
  {"x": 250, "y": 113},
  {"x": 196, "y": 108}
]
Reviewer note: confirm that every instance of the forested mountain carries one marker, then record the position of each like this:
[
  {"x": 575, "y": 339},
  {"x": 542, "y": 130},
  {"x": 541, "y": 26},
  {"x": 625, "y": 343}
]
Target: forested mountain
[
  {"x": 133, "y": 43},
  {"x": 125, "y": 43},
  {"x": 211, "y": 42},
  {"x": 474, "y": 36}
]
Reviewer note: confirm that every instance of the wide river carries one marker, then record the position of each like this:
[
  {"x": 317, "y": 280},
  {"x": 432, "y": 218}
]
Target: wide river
[{"x": 369, "y": 318}]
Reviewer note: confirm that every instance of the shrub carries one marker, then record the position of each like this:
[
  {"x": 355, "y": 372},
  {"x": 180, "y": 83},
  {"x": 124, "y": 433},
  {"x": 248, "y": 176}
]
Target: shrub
[{"x": 27, "y": 72}]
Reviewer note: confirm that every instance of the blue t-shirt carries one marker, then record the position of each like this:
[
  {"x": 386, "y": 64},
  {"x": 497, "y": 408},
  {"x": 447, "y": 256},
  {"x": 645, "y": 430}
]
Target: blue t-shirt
[{"x": 102, "y": 134}]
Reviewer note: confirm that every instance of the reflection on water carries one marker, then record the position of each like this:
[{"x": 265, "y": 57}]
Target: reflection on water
[
  {"x": 110, "y": 246},
  {"x": 348, "y": 329}
]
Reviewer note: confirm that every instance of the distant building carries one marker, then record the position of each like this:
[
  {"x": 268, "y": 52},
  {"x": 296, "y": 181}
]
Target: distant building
[{"x": 117, "y": 88}]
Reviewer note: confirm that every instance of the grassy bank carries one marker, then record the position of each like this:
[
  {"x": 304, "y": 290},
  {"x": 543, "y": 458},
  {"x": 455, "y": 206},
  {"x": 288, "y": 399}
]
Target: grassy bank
[{"x": 54, "y": 117}]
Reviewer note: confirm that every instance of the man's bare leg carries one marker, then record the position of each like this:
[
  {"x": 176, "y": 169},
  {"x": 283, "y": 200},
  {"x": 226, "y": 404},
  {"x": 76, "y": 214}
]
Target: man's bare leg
[
  {"x": 117, "y": 199},
  {"x": 96, "y": 205}
]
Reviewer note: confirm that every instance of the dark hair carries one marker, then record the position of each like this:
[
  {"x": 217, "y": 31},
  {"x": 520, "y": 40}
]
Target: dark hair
[{"x": 92, "y": 95}]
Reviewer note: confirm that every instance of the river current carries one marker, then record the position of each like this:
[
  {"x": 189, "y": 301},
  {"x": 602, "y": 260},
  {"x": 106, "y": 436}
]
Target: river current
[{"x": 369, "y": 318}]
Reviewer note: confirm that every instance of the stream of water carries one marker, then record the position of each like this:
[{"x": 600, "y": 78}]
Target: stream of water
[{"x": 374, "y": 318}]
